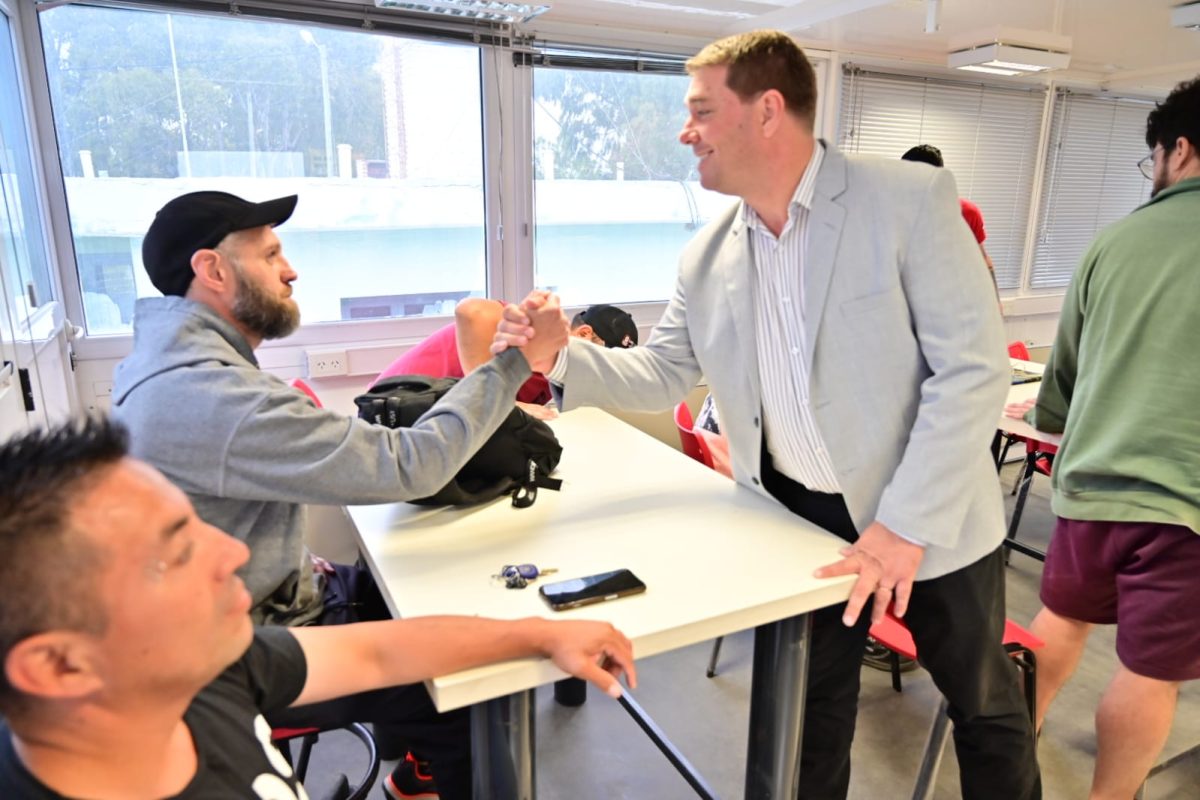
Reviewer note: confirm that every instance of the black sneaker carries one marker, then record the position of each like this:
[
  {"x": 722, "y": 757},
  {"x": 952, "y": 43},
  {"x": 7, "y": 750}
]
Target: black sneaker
[
  {"x": 410, "y": 780},
  {"x": 877, "y": 656}
]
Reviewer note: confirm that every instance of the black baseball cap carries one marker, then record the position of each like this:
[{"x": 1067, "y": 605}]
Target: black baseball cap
[
  {"x": 614, "y": 325},
  {"x": 196, "y": 221}
]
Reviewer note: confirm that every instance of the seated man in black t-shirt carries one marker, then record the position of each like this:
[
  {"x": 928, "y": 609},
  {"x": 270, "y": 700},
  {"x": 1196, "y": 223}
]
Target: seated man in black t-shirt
[{"x": 130, "y": 667}]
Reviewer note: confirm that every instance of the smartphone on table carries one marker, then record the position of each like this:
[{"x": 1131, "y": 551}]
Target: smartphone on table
[{"x": 589, "y": 589}]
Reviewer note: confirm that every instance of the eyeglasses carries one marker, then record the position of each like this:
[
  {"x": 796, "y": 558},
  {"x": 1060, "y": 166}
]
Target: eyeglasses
[{"x": 1146, "y": 165}]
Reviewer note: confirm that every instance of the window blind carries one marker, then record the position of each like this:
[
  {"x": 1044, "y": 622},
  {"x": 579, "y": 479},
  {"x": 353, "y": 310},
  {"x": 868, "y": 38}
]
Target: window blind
[
  {"x": 1091, "y": 179},
  {"x": 988, "y": 136}
]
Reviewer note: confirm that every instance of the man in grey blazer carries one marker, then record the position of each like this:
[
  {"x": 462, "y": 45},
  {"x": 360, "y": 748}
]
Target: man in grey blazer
[{"x": 851, "y": 340}]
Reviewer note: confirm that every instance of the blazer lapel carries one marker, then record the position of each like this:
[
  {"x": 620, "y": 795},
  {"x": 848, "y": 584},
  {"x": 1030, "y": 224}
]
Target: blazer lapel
[{"x": 824, "y": 233}]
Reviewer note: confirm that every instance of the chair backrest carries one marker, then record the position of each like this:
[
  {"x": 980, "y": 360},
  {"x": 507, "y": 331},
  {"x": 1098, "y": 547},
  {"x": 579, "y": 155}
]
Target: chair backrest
[
  {"x": 693, "y": 445},
  {"x": 298, "y": 383},
  {"x": 1018, "y": 350}
]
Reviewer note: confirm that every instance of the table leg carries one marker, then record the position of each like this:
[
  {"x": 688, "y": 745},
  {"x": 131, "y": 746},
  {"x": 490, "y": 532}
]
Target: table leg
[
  {"x": 502, "y": 748},
  {"x": 780, "y": 674},
  {"x": 997, "y": 443}
]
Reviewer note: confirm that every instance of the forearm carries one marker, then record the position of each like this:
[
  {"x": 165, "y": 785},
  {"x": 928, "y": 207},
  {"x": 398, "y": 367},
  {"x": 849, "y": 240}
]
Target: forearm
[
  {"x": 403, "y": 651},
  {"x": 302, "y": 454},
  {"x": 652, "y": 377},
  {"x": 639, "y": 379},
  {"x": 474, "y": 326}
]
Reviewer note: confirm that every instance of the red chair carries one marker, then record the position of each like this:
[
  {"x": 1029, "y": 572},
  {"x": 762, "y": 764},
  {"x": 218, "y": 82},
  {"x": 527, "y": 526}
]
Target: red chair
[
  {"x": 299, "y": 384},
  {"x": 1020, "y": 644},
  {"x": 693, "y": 445},
  {"x": 308, "y": 737}
]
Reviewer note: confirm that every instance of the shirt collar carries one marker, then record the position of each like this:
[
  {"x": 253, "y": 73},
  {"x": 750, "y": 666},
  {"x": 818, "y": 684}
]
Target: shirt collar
[{"x": 803, "y": 196}]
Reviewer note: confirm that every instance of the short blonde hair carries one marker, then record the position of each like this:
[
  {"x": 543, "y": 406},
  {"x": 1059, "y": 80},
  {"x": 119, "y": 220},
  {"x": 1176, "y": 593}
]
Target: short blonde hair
[{"x": 762, "y": 60}]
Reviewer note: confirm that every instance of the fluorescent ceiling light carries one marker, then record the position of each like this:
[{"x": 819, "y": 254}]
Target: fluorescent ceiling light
[
  {"x": 989, "y": 70},
  {"x": 487, "y": 10},
  {"x": 1009, "y": 51},
  {"x": 1186, "y": 16},
  {"x": 702, "y": 7}
]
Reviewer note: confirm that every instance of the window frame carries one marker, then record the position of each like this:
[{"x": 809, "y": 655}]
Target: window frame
[{"x": 48, "y": 313}]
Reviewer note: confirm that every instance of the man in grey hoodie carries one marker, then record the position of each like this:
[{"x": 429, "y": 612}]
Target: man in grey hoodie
[{"x": 250, "y": 451}]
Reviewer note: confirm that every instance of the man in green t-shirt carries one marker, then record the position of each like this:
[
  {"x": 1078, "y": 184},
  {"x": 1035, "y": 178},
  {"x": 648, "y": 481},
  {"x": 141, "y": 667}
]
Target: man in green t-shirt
[{"x": 1123, "y": 387}]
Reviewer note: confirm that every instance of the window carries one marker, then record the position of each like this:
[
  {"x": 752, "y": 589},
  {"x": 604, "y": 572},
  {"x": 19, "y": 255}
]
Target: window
[
  {"x": 388, "y": 163},
  {"x": 1091, "y": 179},
  {"x": 988, "y": 136},
  {"x": 23, "y": 252},
  {"x": 616, "y": 196}
]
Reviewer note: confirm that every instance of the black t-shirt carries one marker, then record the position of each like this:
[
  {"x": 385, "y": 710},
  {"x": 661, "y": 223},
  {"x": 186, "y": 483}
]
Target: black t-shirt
[{"x": 233, "y": 741}]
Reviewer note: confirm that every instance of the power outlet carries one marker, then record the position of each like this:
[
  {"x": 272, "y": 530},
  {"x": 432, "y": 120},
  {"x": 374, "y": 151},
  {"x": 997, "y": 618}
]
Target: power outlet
[{"x": 323, "y": 363}]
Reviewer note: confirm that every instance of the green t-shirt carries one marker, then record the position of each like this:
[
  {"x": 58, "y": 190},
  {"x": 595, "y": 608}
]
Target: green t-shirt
[{"x": 1123, "y": 381}]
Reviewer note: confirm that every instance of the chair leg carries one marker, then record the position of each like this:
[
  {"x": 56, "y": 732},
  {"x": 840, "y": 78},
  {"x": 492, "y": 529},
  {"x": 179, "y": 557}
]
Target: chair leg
[
  {"x": 368, "y": 782},
  {"x": 931, "y": 760},
  {"x": 306, "y": 746},
  {"x": 1026, "y": 661},
  {"x": 712, "y": 660},
  {"x": 894, "y": 658}
]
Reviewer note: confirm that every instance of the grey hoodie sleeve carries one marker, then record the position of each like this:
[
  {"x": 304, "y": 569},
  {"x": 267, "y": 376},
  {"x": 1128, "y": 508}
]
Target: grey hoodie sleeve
[{"x": 285, "y": 449}]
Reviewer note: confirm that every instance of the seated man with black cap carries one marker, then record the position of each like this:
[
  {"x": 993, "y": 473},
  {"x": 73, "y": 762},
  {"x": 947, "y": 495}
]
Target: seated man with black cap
[
  {"x": 455, "y": 349},
  {"x": 249, "y": 450}
]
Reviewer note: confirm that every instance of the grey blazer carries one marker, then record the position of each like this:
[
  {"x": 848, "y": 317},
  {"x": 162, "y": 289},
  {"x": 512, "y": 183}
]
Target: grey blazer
[{"x": 905, "y": 344}]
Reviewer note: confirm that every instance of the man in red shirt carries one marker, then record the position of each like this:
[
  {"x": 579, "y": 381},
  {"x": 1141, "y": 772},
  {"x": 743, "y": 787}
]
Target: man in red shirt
[
  {"x": 455, "y": 349},
  {"x": 928, "y": 154}
]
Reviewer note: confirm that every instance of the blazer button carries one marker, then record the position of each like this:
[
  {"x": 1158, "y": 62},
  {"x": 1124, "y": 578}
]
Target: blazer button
[
  {"x": 756, "y": 422},
  {"x": 755, "y": 481}
]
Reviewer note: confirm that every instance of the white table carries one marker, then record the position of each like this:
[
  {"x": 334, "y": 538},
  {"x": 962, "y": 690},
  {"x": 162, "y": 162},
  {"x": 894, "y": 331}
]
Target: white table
[{"x": 716, "y": 558}]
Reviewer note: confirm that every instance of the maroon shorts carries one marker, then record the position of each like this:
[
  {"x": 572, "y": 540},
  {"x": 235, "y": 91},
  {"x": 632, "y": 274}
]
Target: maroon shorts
[{"x": 1143, "y": 576}]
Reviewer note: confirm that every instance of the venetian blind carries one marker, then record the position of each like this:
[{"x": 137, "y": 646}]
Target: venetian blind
[
  {"x": 988, "y": 136},
  {"x": 1091, "y": 179}
]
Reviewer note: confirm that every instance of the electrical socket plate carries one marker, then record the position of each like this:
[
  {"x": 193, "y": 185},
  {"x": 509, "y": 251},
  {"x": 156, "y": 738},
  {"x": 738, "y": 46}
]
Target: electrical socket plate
[{"x": 323, "y": 363}]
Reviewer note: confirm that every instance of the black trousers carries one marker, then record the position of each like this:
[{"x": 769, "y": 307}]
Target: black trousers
[
  {"x": 403, "y": 716},
  {"x": 957, "y": 622}
]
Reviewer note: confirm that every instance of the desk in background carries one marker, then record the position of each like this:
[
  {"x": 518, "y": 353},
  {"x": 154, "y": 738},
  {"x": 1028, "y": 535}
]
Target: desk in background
[
  {"x": 1020, "y": 392},
  {"x": 716, "y": 558}
]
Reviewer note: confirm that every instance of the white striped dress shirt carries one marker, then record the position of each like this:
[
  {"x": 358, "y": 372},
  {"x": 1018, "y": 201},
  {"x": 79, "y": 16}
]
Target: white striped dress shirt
[{"x": 792, "y": 437}]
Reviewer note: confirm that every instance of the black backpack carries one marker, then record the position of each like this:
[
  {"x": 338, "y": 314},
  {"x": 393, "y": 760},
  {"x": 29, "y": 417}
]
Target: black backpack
[{"x": 516, "y": 460}]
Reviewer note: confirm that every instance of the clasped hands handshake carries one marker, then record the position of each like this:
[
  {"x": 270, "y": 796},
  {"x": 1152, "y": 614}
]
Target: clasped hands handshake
[{"x": 537, "y": 327}]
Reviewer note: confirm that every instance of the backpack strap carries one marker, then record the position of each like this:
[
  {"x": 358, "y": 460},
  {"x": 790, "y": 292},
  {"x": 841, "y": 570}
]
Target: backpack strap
[{"x": 526, "y": 492}]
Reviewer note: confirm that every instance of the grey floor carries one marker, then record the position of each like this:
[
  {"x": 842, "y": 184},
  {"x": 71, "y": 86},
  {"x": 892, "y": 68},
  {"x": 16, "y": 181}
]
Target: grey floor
[{"x": 596, "y": 751}]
